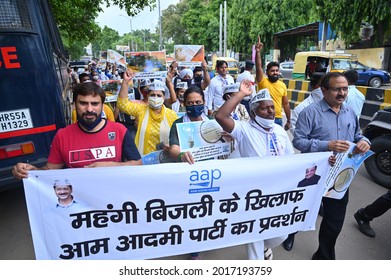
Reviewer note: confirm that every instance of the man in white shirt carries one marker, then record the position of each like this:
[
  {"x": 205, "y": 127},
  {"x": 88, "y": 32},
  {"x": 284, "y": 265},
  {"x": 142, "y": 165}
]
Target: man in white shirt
[
  {"x": 256, "y": 138},
  {"x": 247, "y": 75},
  {"x": 355, "y": 98},
  {"x": 315, "y": 96},
  {"x": 216, "y": 86}
]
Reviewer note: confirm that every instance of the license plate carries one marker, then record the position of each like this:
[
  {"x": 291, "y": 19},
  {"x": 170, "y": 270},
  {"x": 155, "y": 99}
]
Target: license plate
[{"x": 15, "y": 120}]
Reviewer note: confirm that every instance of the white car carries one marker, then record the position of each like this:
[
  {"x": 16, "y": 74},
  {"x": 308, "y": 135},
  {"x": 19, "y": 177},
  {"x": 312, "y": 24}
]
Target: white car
[{"x": 286, "y": 69}]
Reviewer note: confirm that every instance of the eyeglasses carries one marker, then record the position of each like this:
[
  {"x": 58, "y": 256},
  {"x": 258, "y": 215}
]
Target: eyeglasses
[{"x": 339, "y": 89}]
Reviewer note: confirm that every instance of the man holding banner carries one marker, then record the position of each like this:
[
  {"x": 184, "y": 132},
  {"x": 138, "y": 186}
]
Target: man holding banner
[
  {"x": 329, "y": 125},
  {"x": 256, "y": 138},
  {"x": 90, "y": 142}
]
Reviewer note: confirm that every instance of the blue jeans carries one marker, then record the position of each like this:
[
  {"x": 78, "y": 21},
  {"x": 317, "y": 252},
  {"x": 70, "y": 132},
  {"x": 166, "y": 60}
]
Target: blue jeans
[{"x": 278, "y": 121}]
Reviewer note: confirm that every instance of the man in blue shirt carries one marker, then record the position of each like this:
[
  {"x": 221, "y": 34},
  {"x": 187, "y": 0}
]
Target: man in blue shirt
[{"x": 329, "y": 125}]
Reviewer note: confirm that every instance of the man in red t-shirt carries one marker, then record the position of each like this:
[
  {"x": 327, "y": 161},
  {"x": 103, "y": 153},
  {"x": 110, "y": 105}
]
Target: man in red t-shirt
[{"x": 91, "y": 141}]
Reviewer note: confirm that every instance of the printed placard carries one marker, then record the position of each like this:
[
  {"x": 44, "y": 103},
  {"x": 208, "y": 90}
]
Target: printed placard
[
  {"x": 204, "y": 139},
  {"x": 342, "y": 173},
  {"x": 147, "y": 65},
  {"x": 189, "y": 55}
]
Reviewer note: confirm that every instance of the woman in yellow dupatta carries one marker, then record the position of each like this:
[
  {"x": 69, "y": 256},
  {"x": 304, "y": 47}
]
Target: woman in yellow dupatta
[{"x": 154, "y": 119}]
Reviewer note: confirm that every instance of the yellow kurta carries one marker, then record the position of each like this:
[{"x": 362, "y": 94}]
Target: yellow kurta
[{"x": 151, "y": 131}]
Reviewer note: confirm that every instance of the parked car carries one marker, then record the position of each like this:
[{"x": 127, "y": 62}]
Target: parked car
[
  {"x": 369, "y": 76},
  {"x": 378, "y": 131},
  {"x": 286, "y": 69}
]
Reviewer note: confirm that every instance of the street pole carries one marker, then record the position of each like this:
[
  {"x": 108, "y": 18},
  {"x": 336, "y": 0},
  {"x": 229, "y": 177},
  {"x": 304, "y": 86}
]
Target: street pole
[
  {"x": 160, "y": 29},
  {"x": 221, "y": 32},
  {"x": 225, "y": 28}
]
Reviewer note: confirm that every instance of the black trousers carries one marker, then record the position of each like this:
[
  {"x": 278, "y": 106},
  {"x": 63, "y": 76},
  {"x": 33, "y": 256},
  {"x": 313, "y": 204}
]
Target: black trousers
[
  {"x": 378, "y": 207},
  {"x": 334, "y": 211}
]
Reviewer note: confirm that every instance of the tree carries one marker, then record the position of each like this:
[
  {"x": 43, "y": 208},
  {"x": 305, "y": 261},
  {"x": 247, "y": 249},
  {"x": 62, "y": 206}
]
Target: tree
[
  {"x": 76, "y": 18},
  {"x": 347, "y": 17},
  {"x": 172, "y": 26}
]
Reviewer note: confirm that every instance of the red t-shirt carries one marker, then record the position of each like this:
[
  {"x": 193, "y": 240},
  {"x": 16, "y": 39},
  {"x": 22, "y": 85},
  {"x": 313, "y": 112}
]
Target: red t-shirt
[{"x": 77, "y": 148}]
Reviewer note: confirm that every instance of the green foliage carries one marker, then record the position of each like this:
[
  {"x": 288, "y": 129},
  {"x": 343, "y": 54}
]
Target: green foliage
[
  {"x": 347, "y": 16},
  {"x": 172, "y": 26},
  {"x": 76, "y": 18}
]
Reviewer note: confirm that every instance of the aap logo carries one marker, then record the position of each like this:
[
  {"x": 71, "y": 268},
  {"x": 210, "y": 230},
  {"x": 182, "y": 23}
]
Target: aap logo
[{"x": 204, "y": 180}]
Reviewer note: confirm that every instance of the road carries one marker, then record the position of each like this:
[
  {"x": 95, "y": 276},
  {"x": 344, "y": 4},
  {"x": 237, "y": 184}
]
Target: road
[{"x": 16, "y": 241}]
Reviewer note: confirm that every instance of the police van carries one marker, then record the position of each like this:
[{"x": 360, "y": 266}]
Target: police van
[{"x": 34, "y": 84}]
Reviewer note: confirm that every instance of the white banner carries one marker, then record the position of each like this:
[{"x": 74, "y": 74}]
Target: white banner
[{"x": 144, "y": 212}]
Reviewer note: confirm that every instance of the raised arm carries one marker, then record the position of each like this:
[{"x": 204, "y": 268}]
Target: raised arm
[
  {"x": 170, "y": 86},
  {"x": 258, "y": 61},
  {"x": 206, "y": 80}
]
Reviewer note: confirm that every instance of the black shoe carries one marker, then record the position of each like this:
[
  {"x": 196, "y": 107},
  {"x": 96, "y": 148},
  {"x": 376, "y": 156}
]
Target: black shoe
[
  {"x": 288, "y": 243},
  {"x": 363, "y": 225}
]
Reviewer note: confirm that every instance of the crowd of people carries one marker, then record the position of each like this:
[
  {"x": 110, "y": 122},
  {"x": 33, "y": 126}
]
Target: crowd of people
[{"x": 250, "y": 110}]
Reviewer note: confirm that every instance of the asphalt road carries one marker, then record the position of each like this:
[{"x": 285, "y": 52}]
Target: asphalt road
[{"x": 16, "y": 242}]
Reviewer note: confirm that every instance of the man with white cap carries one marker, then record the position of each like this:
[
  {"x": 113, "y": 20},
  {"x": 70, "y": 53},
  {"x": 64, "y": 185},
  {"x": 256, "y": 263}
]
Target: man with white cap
[
  {"x": 258, "y": 137},
  {"x": 154, "y": 119},
  {"x": 63, "y": 190},
  {"x": 240, "y": 111},
  {"x": 178, "y": 105}
]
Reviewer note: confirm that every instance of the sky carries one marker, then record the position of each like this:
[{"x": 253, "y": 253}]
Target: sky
[{"x": 118, "y": 20}]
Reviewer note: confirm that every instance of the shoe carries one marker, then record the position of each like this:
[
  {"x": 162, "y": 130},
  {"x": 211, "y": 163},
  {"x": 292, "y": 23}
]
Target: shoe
[
  {"x": 288, "y": 243},
  {"x": 268, "y": 254},
  {"x": 363, "y": 225}
]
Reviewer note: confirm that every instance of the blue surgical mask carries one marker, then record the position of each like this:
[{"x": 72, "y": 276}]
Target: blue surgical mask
[{"x": 195, "y": 110}]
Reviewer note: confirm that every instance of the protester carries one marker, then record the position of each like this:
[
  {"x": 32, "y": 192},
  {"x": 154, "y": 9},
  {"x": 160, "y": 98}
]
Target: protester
[
  {"x": 377, "y": 208},
  {"x": 73, "y": 146},
  {"x": 247, "y": 75},
  {"x": 216, "y": 86},
  {"x": 276, "y": 88},
  {"x": 193, "y": 99},
  {"x": 355, "y": 98},
  {"x": 315, "y": 96},
  {"x": 179, "y": 105},
  {"x": 328, "y": 125},
  {"x": 240, "y": 112},
  {"x": 153, "y": 120},
  {"x": 256, "y": 138}
]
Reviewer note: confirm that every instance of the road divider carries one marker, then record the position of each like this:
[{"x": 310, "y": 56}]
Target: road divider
[{"x": 375, "y": 98}]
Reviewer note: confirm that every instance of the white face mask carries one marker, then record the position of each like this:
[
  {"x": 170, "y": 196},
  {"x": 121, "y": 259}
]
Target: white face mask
[
  {"x": 155, "y": 102},
  {"x": 265, "y": 123},
  {"x": 116, "y": 73},
  {"x": 95, "y": 78}
]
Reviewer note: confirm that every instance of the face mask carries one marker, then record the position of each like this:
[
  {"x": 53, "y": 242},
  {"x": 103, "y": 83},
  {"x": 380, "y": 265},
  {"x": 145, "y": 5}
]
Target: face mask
[
  {"x": 155, "y": 102},
  {"x": 95, "y": 78},
  {"x": 195, "y": 110},
  {"x": 89, "y": 126},
  {"x": 273, "y": 79},
  {"x": 116, "y": 73},
  {"x": 198, "y": 79},
  {"x": 265, "y": 123}
]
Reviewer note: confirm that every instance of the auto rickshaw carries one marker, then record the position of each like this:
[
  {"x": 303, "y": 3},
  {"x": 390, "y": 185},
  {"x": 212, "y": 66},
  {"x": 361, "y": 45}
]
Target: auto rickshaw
[{"x": 307, "y": 63}]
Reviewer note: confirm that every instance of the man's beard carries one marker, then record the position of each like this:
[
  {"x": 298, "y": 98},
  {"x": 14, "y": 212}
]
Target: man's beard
[{"x": 273, "y": 78}]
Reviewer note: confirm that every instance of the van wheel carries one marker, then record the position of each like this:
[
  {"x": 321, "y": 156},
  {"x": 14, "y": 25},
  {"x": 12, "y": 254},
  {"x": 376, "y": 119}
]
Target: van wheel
[
  {"x": 378, "y": 165},
  {"x": 375, "y": 82}
]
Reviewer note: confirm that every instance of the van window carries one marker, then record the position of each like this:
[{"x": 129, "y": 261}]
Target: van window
[{"x": 14, "y": 15}]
